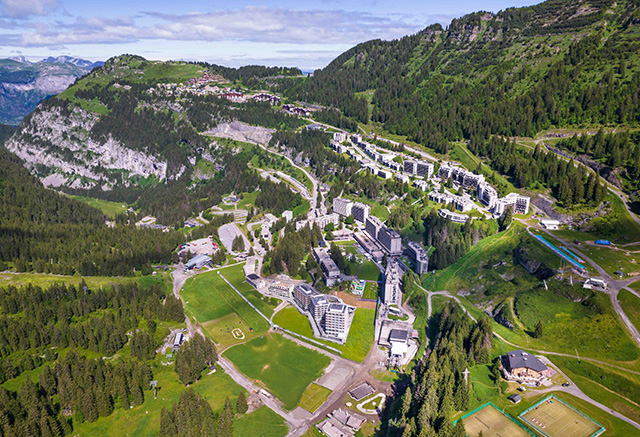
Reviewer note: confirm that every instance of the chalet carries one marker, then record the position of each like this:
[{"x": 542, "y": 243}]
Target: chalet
[{"x": 522, "y": 366}]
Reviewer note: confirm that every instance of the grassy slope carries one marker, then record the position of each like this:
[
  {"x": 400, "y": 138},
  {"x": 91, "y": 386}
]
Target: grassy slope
[
  {"x": 369, "y": 271},
  {"x": 110, "y": 209},
  {"x": 263, "y": 422},
  {"x": 273, "y": 360},
  {"x": 44, "y": 280},
  {"x": 631, "y": 305},
  {"x": 360, "y": 336}
]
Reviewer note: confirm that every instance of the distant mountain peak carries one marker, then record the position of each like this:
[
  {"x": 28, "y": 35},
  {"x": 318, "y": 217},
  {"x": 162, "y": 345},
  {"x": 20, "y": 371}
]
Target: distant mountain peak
[
  {"x": 71, "y": 60},
  {"x": 21, "y": 59}
]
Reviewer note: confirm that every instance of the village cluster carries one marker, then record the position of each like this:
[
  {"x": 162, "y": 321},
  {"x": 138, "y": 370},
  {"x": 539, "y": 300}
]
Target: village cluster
[{"x": 421, "y": 174}]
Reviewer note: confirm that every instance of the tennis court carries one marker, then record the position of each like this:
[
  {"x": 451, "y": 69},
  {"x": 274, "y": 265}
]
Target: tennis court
[
  {"x": 492, "y": 422},
  {"x": 554, "y": 418}
]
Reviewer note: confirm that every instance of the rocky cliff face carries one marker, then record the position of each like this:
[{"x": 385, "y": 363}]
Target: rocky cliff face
[{"x": 58, "y": 148}]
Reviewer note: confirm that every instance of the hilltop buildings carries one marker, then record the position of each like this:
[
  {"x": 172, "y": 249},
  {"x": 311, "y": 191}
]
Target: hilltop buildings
[
  {"x": 330, "y": 271},
  {"x": 342, "y": 206}
]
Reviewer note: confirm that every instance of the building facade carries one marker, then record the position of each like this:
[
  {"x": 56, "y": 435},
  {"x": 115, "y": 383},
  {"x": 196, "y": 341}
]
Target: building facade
[
  {"x": 360, "y": 212},
  {"x": 419, "y": 257},
  {"x": 390, "y": 241},
  {"x": 392, "y": 288},
  {"x": 342, "y": 206}
]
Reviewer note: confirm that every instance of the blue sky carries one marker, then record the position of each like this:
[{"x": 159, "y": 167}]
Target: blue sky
[{"x": 304, "y": 33}]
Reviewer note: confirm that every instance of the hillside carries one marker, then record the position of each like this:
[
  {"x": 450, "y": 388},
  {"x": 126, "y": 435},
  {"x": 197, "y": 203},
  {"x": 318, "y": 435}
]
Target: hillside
[
  {"x": 24, "y": 84},
  {"x": 517, "y": 72},
  {"x": 119, "y": 127}
]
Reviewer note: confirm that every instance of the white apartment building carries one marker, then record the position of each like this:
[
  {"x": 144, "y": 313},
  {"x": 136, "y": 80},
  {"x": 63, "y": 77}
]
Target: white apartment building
[
  {"x": 373, "y": 226},
  {"x": 453, "y": 216},
  {"x": 342, "y": 206},
  {"x": 487, "y": 195},
  {"x": 392, "y": 288}
]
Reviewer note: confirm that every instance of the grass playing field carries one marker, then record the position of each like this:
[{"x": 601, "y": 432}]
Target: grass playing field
[
  {"x": 370, "y": 290},
  {"x": 273, "y": 360},
  {"x": 554, "y": 418},
  {"x": 208, "y": 298},
  {"x": 229, "y": 330},
  {"x": 491, "y": 422},
  {"x": 313, "y": 397}
]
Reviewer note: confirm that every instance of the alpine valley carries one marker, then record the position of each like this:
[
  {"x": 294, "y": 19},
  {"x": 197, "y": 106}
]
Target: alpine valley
[{"x": 436, "y": 235}]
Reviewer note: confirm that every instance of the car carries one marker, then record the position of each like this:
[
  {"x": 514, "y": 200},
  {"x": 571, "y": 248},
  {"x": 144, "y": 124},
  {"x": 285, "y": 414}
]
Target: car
[{"x": 566, "y": 384}]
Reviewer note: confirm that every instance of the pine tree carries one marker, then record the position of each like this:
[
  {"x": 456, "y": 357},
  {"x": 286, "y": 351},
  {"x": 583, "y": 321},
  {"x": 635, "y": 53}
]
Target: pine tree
[
  {"x": 225, "y": 423},
  {"x": 241, "y": 404},
  {"x": 406, "y": 402},
  {"x": 167, "y": 423},
  {"x": 539, "y": 329}
]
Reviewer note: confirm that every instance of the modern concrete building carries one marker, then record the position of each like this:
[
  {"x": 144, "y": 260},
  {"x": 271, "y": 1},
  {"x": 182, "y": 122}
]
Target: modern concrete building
[
  {"x": 410, "y": 166},
  {"x": 421, "y": 185},
  {"x": 443, "y": 198},
  {"x": 280, "y": 289},
  {"x": 424, "y": 169},
  {"x": 401, "y": 178},
  {"x": 373, "y": 226},
  {"x": 519, "y": 203},
  {"x": 318, "y": 306},
  {"x": 302, "y": 294},
  {"x": 552, "y": 225},
  {"x": 419, "y": 257},
  {"x": 360, "y": 212},
  {"x": 390, "y": 241},
  {"x": 453, "y": 216},
  {"x": 487, "y": 195},
  {"x": 462, "y": 204},
  {"x": 340, "y": 136},
  {"x": 342, "y": 206},
  {"x": 288, "y": 216},
  {"x": 327, "y": 219},
  {"x": 336, "y": 321},
  {"x": 330, "y": 271},
  {"x": 392, "y": 288}
]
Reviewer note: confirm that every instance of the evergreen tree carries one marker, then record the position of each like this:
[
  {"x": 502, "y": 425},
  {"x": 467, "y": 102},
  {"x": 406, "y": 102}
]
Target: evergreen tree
[
  {"x": 538, "y": 331},
  {"x": 241, "y": 404}
]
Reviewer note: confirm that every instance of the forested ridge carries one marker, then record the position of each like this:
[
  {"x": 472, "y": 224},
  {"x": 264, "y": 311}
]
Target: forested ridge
[{"x": 559, "y": 63}]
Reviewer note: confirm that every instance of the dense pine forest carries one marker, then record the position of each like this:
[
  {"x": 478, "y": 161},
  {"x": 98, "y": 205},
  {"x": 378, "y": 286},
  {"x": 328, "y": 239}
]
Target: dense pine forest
[{"x": 54, "y": 328}]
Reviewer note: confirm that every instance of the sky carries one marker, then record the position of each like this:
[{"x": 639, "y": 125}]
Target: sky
[{"x": 306, "y": 33}]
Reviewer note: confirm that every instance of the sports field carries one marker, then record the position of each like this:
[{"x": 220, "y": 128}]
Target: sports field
[
  {"x": 492, "y": 422},
  {"x": 273, "y": 360},
  {"x": 552, "y": 417},
  {"x": 313, "y": 397},
  {"x": 208, "y": 297}
]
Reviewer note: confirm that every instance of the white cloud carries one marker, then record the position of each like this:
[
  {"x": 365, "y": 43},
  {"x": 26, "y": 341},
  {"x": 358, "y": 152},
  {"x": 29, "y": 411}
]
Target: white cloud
[
  {"x": 25, "y": 8},
  {"x": 254, "y": 24}
]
